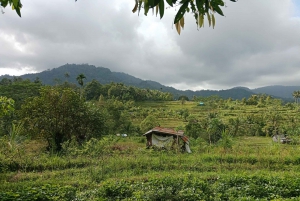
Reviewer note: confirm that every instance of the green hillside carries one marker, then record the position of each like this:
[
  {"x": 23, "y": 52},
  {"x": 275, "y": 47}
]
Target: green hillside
[{"x": 69, "y": 72}]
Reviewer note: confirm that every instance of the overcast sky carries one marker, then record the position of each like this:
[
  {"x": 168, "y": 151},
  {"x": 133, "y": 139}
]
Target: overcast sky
[{"x": 256, "y": 44}]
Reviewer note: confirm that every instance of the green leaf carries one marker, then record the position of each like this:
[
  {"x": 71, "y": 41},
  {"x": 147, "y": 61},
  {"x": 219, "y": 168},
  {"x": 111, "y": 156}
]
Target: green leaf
[
  {"x": 153, "y": 3},
  {"x": 16, "y": 3},
  {"x": 218, "y": 2},
  {"x": 161, "y": 8},
  {"x": 193, "y": 7},
  {"x": 181, "y": 12},
  {"x": 4, "y": 3},
  {"x": 18, "y": 11},
  {"x": 206, "y": 6},
  {"x": 199, "y": 4},
  {"x": 150, "y": 2},
  {"x": 146, "y": 8},
  {"x": 218, "y": 10},
  {"x": 170, "y": 2}
]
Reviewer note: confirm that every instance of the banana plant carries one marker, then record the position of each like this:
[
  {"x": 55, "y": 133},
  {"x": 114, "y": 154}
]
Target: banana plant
[{"x": 15, "y": 137}]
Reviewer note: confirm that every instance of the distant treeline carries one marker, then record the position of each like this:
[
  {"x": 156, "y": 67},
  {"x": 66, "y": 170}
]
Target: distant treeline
[
  {"x": 20, "y": 89},
  {"x": 95, "y": 90}
]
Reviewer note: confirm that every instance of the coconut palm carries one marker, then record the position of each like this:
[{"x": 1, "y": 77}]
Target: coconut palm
[
  {"x": 80, "y": 79},
  {"x": 67, "y": 75},
  {"x": 296, "y": 95}
]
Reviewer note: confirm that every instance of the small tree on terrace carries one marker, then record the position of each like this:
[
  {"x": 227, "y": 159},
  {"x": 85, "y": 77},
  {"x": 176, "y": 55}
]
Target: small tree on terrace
[
  {"x": 58, "y": 115},
  {"x": 148, "y": 123}
]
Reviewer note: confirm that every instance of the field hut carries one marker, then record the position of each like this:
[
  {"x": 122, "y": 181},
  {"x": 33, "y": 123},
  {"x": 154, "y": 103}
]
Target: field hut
[
  {"x": 201, "y": 104},
  {"x": 162, "y": 137},
  {"x": 281, "y": 138}
]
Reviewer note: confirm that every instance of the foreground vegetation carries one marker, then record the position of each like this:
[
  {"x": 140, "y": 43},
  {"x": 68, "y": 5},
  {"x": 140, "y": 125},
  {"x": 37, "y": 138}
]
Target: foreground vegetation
[
  {"x": 122, "y": 169},
  {"x": 58, "y": 144}
]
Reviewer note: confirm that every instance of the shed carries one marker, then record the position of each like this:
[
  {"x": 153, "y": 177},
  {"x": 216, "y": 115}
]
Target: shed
[
  {"x": 201, "y": 104},
  {"x": 282, "y": 138},
  {"x": 161, "y": 137}
]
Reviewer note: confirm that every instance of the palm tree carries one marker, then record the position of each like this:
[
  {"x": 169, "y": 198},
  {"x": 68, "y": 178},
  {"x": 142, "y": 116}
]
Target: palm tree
[
  {"x": 296, "y": 95},
  {"x": 67, "y": 76},
  {"x": 80, "y": 79},
  {"x": 57, "y": 81}
]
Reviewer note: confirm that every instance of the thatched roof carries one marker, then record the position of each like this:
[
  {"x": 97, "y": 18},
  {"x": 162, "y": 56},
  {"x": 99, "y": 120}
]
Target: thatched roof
[{"x": 164, "y": 131}]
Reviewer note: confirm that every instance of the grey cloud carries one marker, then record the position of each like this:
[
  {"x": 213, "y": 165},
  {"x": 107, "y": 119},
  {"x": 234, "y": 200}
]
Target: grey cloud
[
  {"x": 256, "y": 44},
  {"x": 252, "y": 41},
  {"x": 58, "y": 36}
]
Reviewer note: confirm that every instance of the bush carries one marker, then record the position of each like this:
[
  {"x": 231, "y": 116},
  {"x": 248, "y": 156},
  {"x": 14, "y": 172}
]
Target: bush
[{"x": 42, "y": 193}]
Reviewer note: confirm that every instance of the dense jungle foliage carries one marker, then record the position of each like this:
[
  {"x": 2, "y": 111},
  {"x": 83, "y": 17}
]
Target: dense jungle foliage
[{"x": 59, "y": 143}]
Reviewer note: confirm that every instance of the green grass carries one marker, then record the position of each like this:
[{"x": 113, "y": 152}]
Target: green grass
[
  {"x": 126, "y": 164},
  {"x": 254, "y": 168}
]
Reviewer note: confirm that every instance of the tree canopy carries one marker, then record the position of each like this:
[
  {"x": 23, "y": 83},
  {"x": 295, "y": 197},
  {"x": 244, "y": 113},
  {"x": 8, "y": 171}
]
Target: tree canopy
[
  {"x": 6, "y": 105},
  {"x": 198, "y": 8},
  {"x": 59, "y": 114},
  {"x": 15, "y": 5}
]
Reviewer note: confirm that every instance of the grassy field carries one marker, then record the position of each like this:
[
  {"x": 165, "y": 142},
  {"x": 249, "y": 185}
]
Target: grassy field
[
  {"x": 254, "y": 168},
  {"x": 114, "y": 168}
]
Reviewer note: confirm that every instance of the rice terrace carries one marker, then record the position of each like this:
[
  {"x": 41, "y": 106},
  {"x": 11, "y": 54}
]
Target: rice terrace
[
  {"x": 68, "y": 142},
  {"x": 186, "y": 100}
]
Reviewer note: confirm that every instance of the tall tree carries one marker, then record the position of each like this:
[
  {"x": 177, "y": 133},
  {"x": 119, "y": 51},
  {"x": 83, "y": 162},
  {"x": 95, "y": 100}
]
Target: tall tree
[
  {"x": 67, "y": 75},
  {"x": 92, "y": 90},
  {"x": 58, "y": 115},
  {"x": 80, "y": 79},
  {"x": 5, "y": 81},
  {"x": 296, "y": 95}
]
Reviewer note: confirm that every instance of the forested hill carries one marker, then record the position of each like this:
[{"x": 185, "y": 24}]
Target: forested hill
[
  {"x": 278, "y": 90},
  {"x": 69, "y": 72}
]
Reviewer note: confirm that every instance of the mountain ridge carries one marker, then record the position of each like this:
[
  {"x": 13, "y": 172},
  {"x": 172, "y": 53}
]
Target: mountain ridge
[{"x": 105, "y": 76}]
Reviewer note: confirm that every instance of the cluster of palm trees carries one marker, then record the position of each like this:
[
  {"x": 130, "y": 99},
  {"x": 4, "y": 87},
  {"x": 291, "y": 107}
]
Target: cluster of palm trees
[
  {"x": 79, "y": 79},
  {"x": 296, "y": 95}
]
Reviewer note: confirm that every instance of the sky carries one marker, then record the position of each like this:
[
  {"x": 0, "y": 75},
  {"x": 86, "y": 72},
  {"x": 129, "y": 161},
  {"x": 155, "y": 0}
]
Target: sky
[{"x": 256, "y": 44}]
